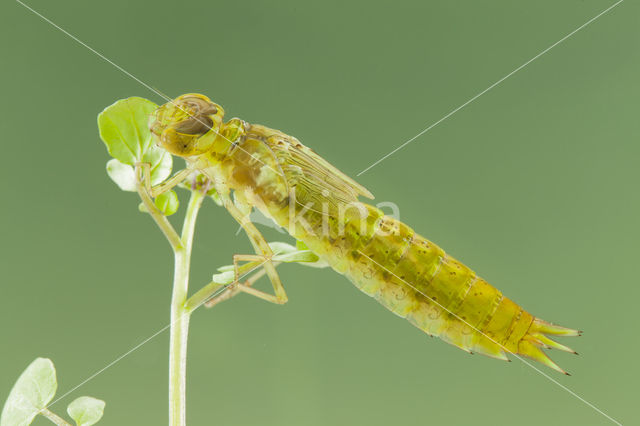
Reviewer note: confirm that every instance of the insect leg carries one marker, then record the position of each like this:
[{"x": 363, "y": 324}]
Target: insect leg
[
  {"x": 232, "y": 291},
  {"x": 259, "y": 245},
  {"x": 247, "y": 288},
  {"x": 166, "y": 185}
]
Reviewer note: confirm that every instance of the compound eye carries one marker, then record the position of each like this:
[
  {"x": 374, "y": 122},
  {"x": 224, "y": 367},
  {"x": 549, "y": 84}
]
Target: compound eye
[
  {"x": 195, "y": 126},
  {"x": 211, "y": 110}
]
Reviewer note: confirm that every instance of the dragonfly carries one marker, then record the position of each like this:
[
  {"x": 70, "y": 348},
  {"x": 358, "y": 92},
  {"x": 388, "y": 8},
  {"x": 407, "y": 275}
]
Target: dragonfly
[{"x": 252, "y": 166}]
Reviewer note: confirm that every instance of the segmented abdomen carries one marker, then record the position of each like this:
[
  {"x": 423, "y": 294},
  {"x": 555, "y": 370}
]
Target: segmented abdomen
[{"x": 417, "y": 280}]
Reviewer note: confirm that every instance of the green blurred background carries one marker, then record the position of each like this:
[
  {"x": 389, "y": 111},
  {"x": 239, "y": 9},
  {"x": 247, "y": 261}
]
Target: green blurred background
[{"x": 534, "y": 185}]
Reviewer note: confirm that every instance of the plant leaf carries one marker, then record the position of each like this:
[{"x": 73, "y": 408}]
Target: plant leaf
[
  {"x": 124, "y": 129},
  {"x": 281, "y": 248},
  {"x": 86, "y": 411},
  {"x": 161, "y": 170},
  {"x": 122, "y": 174},
  {"x": 34, "y": 389},
  {"x": 297, "y": 256},
  {"x": 282, "y": 252},
  {"x": 225, "y": 268},
  {"x": 223, "y": 278},
  {"x": 167, "y": 202}
]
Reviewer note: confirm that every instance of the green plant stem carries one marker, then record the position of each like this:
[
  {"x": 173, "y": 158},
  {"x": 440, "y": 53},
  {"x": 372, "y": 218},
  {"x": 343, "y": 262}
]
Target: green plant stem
[
  {"x": 54, "y": 417},
  {"x": 180, "y": 316}
]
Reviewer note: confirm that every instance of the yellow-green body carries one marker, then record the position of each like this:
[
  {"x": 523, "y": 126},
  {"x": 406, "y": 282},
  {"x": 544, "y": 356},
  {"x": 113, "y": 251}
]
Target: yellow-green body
[{"x": 383, "y": 257}]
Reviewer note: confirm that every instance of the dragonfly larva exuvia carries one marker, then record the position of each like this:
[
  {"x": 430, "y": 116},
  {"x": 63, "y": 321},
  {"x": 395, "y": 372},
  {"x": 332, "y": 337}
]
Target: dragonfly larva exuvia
[{"x": 318, "y": 205}]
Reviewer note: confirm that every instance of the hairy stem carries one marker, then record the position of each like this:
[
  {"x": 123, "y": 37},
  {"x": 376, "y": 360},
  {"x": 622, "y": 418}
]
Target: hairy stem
[
  {"x": 54, "y": 417},
  {"x": 180, "y": 316}
]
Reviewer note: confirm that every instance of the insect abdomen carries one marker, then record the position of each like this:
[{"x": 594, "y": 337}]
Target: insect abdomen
[{"x": 417, "y": 280}]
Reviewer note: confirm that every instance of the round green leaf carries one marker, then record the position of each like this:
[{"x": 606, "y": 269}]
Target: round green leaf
[
  {"x": 124, "y": 128},
  {"x": 86, "y": 411},
  {"x": 34, "y": 389},
  {"x": 125, "y": 131},
  {"x": 167, "y": 203},
  {"x": 223, "y": 278},
  {"x": 122, "y": 174},
  {"x": 161, "y": 170}
]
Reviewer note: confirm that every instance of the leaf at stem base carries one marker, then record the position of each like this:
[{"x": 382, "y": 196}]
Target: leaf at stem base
[{"x": 34, "y": 389}]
